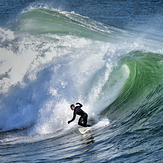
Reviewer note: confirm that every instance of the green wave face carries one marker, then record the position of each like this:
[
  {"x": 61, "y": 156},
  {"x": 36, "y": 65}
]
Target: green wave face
[{"x": 146, "y": 73}]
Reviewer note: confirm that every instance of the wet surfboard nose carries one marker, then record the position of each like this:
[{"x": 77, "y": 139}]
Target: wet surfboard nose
[{"x": 83, "y": 130}]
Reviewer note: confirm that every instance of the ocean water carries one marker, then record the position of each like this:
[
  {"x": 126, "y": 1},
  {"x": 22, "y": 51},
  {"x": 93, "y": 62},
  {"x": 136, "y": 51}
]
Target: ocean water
[{"x": 107, "y": 55}]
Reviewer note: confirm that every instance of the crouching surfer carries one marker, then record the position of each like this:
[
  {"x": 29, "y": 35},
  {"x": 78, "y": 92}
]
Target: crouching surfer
[{"x": 83, "y": 116}]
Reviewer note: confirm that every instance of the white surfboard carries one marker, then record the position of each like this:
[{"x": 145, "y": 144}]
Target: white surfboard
[{"x": 83, "y": 130}]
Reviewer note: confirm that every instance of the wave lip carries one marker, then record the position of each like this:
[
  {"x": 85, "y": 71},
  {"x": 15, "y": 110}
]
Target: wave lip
[{"x": 62, "y": 23}]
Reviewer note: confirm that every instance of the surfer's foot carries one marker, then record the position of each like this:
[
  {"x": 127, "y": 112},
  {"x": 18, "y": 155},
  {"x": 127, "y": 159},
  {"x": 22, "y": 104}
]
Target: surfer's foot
[{"x": 88, "y": 125}]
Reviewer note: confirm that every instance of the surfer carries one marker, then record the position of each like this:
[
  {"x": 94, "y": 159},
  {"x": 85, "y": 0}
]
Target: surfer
[{"x": 77, "y": 110}]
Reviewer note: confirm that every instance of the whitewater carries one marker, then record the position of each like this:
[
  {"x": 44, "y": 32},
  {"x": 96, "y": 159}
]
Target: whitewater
[{"x": 51, "y": 57}]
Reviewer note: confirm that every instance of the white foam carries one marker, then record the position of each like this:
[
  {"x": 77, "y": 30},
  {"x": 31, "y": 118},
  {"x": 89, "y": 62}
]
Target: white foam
[
  {"x": 43, "y": 87},
  {"x": 102, "y": 123}
]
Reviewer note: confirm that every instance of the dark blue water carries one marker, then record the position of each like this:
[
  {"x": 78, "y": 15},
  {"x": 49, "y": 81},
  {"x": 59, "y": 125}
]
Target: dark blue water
[{"x": 108, "y": 55}]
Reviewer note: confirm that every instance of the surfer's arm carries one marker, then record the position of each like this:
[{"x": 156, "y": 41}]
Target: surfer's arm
[
  {"x": 79, "y": 104},
  {"x": 74, "y": 116}
]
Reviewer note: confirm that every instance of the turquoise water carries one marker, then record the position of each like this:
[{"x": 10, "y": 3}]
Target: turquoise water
[{"x": 106, "y": 55}]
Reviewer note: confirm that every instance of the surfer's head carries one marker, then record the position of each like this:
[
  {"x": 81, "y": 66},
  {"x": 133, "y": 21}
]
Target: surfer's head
[{"x": 72, "y": 106}]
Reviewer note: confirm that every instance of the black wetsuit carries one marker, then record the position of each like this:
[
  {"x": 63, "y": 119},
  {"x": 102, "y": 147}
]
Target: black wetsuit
[{"x": 83, "y": 119}]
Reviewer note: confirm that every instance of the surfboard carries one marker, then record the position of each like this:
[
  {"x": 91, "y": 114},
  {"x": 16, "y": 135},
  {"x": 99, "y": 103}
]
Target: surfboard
[{"x": 83, "y": 130}]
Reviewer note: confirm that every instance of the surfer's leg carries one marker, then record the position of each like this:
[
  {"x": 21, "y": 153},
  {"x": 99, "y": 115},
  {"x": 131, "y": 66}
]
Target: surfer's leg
[
  {"x": 81, "y": 122},
  {"x": 85, "y": 120}
]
